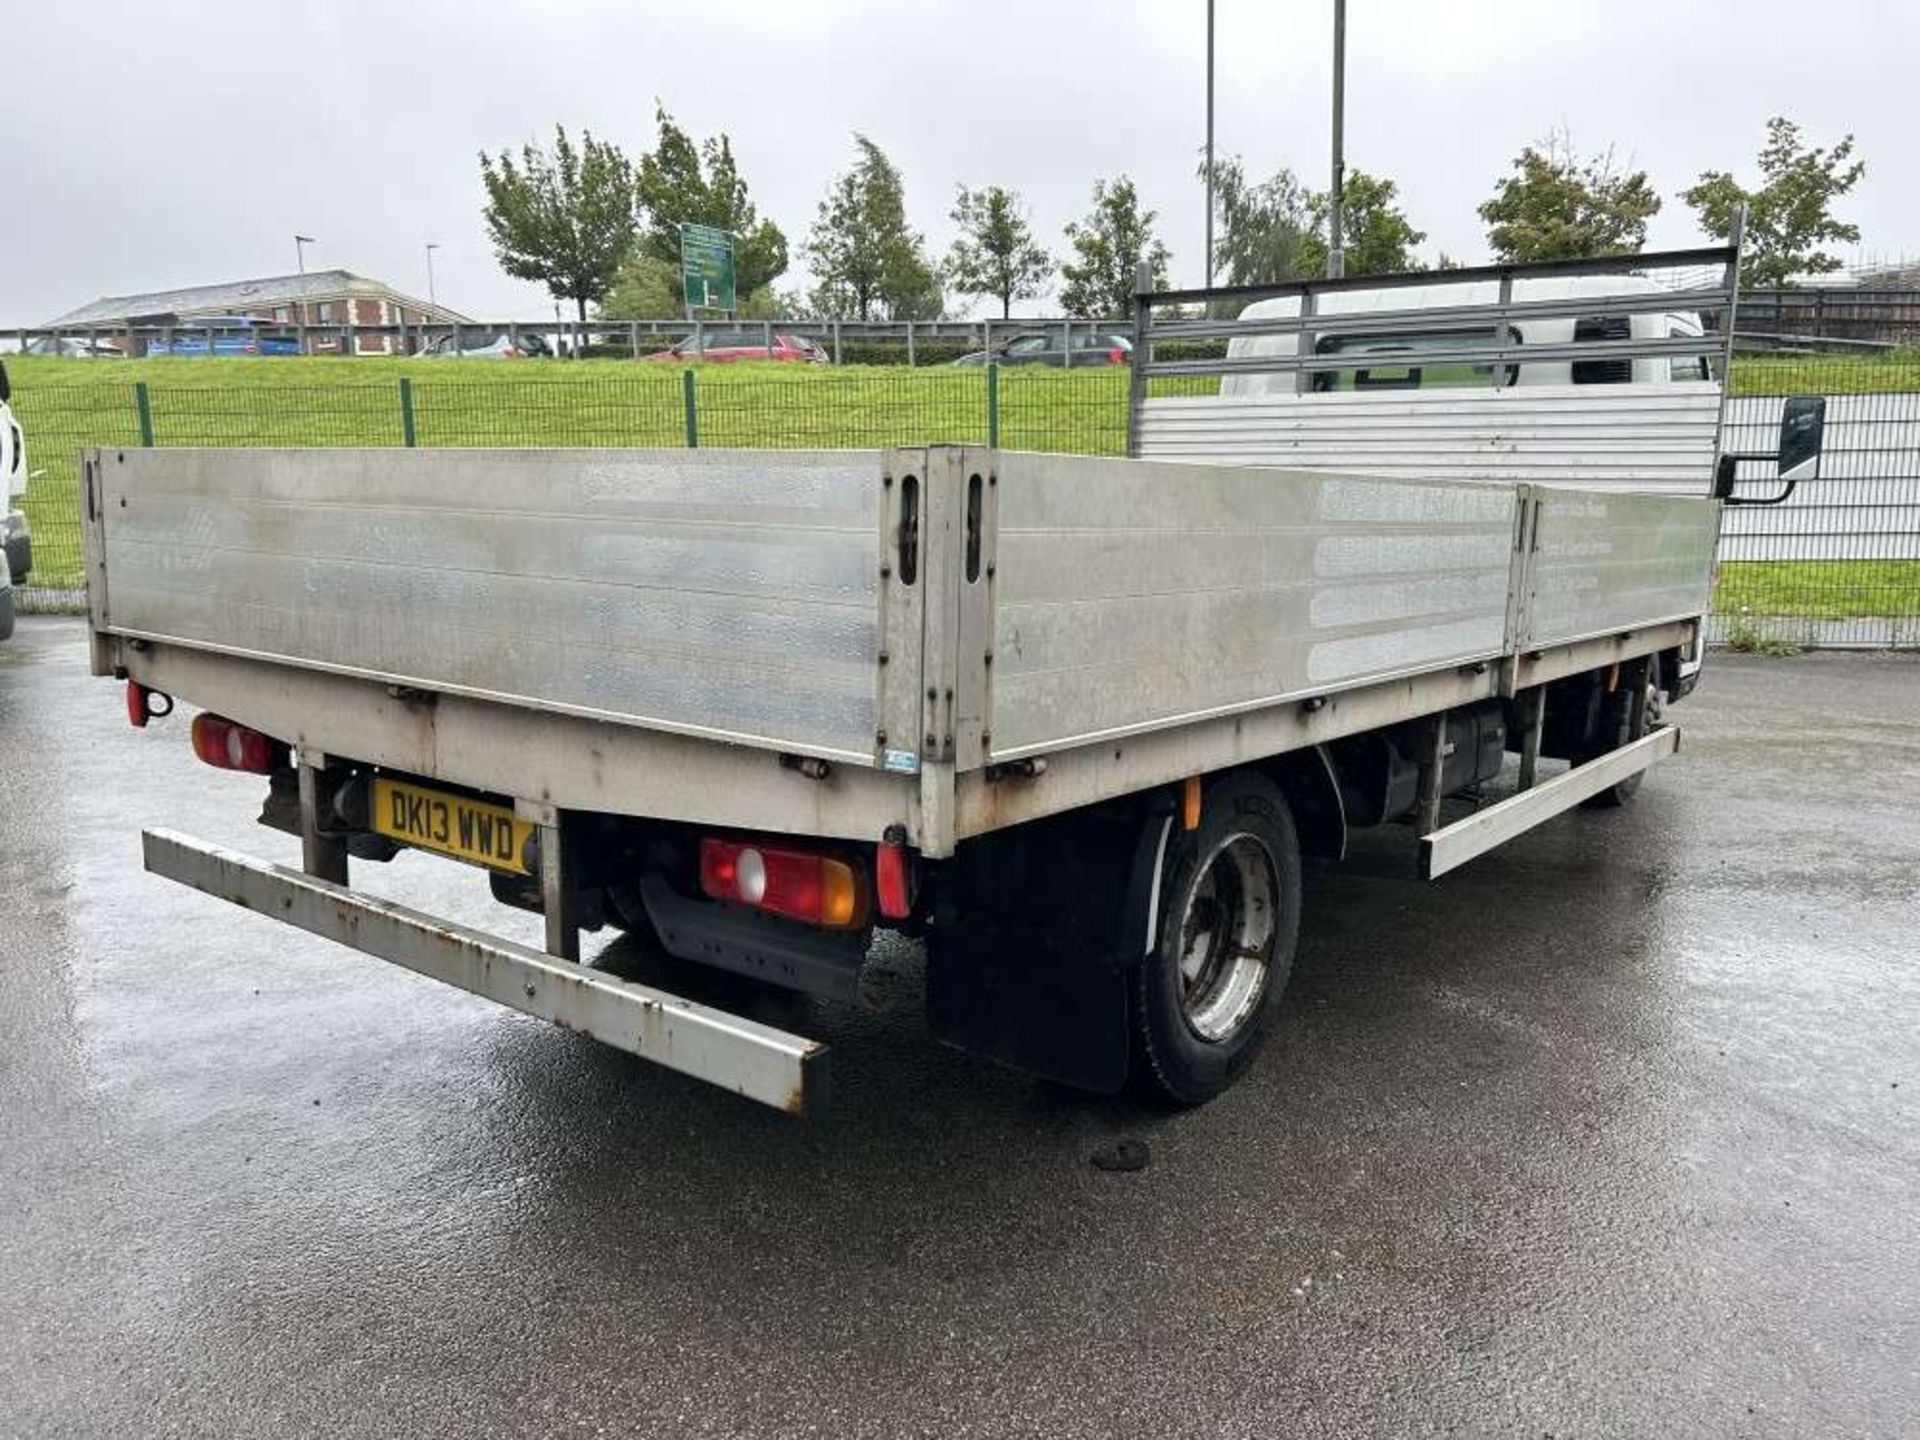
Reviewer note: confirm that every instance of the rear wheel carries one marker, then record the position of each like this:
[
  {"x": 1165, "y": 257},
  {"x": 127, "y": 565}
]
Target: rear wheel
[
  {"x": 1616, "y": 729},
  {"x": 1229, "y": 913}
]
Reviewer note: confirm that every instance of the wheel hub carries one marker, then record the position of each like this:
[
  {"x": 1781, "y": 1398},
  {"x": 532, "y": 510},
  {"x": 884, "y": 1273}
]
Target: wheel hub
[{"x": 1227, "y": 935}]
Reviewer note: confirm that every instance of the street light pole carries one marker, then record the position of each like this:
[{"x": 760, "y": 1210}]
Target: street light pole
[
  {"x": 300, "y": 243},
  {"x": 1336, "y": 255},
  {"x": 431, "y": 247},
  {"x": 1209, "y": 144}
]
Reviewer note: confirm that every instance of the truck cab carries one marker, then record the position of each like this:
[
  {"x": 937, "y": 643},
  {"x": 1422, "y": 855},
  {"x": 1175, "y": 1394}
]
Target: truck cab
[{"x": 1415, "y": 357}]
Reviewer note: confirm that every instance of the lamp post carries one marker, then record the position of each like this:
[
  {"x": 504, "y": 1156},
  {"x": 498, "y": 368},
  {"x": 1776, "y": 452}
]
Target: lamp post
[
  {"x": 1336, "y": 201},
  {"x": 300, "y": 243},
  {"x": 1209, "y": 144},
  {"x": 431, "y": 247}
]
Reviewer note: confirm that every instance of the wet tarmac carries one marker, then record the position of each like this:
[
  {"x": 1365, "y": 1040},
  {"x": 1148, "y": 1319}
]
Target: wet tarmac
[{"x": 1611, "y": 1133}]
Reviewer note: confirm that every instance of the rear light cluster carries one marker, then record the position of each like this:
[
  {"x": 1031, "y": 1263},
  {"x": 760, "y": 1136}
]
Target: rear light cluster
[
  {"x": 230, "y": 746},
  {"x": 793, "y": 883},
  {"x": 893, "y": 879}
]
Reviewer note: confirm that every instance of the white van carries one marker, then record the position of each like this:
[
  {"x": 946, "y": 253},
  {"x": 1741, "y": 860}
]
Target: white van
[
  {"x": 16, "y": 537},
  {"x": 1416, "y": 359}
]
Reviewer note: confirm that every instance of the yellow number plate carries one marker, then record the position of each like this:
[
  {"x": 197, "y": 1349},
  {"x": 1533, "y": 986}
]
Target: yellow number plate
[{"x": 472, "y": 830}]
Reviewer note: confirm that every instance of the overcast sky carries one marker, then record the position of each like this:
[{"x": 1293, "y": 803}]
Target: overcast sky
[{"x": 151, "y": 144}]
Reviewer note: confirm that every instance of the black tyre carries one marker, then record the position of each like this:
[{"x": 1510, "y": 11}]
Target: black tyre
[
  {"x": 628, "y": 912},
  {"x": 1229, "y": 915},
  {"x": 1616, "y": 729}
]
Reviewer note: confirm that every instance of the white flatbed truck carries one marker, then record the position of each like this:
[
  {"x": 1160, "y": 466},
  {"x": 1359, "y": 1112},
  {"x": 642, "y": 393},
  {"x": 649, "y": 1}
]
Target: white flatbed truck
[{"x": 1074, "y": 720}]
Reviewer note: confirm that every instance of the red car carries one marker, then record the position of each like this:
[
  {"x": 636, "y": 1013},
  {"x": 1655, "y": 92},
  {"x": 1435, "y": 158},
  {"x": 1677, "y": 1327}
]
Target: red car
[{"x": 722, "y": 346}]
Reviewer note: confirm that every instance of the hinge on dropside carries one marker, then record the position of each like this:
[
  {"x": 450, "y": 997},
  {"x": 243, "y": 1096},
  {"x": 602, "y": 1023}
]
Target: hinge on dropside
[{"x": 937, "y": 744}]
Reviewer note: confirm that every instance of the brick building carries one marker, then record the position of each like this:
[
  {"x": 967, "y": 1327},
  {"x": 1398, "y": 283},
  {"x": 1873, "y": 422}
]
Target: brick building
[{"x": 318, "y": 298}]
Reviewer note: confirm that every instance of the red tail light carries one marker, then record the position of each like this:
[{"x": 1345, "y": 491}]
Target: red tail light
[
  {"x": 229, "y": 746},
  {"x": 893, "y": 880},
  {"x": 144, "y": 704},
  {"x": 793, "y": 883}
]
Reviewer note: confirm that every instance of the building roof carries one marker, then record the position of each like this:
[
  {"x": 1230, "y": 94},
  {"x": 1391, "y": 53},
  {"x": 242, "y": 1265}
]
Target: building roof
[{"x": 238, "y": 297}]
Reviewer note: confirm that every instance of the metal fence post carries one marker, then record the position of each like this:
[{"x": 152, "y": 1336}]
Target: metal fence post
[
  {"x": 909, "y": 344},
  {"x": 836, "y": 342},
  {"x": 1066, "y": 344},
  {"x": 144, "y": 405},
  {"x": 407, "y": 436},
  {"x": 993, "y": 406},
  {"x": 692, "y": 408},
  {"x": 633, "y": 339}
]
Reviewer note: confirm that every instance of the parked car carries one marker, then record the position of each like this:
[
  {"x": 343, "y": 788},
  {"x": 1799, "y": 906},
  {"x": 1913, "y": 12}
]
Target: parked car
[
  {"x": 73, "y": 347},
  {"x": 16, "y": 536},
  {"x": 489, "y": 345},
  {"x": 718, "y": 347},
  {"x": 1043, "y": 347},
  {"x": 225, "y": 336}
]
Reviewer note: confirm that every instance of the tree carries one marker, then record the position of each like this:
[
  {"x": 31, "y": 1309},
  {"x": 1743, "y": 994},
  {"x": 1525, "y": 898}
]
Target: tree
[
  {"x": 1558, "y": 207},
  {"x": 1277, "y": 230},
  {"x": 1109, "y": 246},
  {"x": 1377, "y": 237},
  {"x": 565, "y": 218},
  {"x": 678, "y": 182},
  {"x": 1262, "y": 230},
  {"x": 867, "y": 262},
  {"x": 995, "y": 253},
  {"x": 1791, "y": 214}
]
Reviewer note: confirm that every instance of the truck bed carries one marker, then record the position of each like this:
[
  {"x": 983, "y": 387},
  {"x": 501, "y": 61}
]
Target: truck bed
[{"x": 929, "y": 621}]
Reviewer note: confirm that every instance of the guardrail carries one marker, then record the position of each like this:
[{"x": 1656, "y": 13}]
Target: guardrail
[{"x": 912, "y": 342}]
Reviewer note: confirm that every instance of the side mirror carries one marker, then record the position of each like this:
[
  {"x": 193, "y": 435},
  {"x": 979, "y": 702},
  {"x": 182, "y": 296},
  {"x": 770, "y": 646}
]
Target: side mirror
[
  {"x": 1803, "y": 422},
  {"x": 6, "y": 385}
]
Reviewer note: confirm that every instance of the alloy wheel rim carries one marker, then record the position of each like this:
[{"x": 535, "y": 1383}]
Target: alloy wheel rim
[{"x": 1227, "y": 936}]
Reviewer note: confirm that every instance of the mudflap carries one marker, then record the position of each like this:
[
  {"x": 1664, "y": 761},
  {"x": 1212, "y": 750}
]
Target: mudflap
[{"x": 1032, "y": 964}]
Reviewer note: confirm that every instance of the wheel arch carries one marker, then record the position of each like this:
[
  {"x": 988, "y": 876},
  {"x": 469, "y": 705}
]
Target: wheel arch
[{"x": 1312, "y": 786}]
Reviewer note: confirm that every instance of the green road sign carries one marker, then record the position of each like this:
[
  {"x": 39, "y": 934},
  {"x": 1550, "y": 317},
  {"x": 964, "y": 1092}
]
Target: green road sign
[{"x": 706, "y": 267}]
